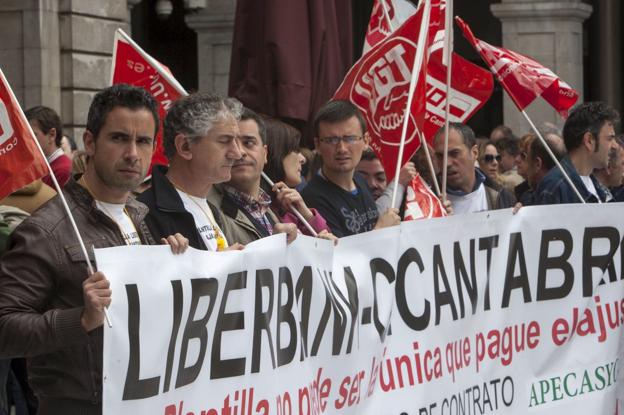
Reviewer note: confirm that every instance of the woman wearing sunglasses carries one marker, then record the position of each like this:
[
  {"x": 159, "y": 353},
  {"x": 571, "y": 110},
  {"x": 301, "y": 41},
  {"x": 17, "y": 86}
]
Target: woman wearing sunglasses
[{"x": 489, "y": 160}]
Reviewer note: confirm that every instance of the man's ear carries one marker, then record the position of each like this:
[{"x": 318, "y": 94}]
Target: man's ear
[
  {"x": 266, "y": 154},
  {"x": 316, "y": 143},
  {"x": 588, "y": 139},
  {"x": 367, "y": 139},
  {"x": 183, "y": 147},
  {"x": 475, "y": 152},
  {"x": 89, "y": 143},
  {"x": 52, "y": 135},
  {"x": 539, "y": 163}
]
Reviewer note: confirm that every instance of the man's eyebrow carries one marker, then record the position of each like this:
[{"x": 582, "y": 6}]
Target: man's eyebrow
[
  {"x": 121, "y": 133},
  {"x": 247, "y": 136}
]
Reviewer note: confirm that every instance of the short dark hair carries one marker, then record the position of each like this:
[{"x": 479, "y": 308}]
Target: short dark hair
[
  {"x": 587, "y": 117},
  {"x": 337, "y": 111},
  {"x": 194, "y": 115},
  {"x": 369, "y": 155},
  {"x": 249, "y": 114},
  {"x": 466, "y": 132},
  {"x": 538, "y": 150},
  {"x": 281, "y": 140},
  {"x": 46, "y": 119},
  {"x": 120, "y": 95},
  {"x": 509, "y": 144}
]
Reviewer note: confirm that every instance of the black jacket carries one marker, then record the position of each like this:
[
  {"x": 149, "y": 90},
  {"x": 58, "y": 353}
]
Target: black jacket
[{"x": 167, "y": 214}]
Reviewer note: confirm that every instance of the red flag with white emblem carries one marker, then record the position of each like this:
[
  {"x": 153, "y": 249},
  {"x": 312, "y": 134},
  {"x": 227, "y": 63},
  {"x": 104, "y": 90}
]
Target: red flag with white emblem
[
  {"x": 131, "y": 65},
  {"x": 378, "y": 84},
  {"x": 421, "y": 202},
  {"x": 21, "y": 161},
  {"x": 523, "y": 78}
]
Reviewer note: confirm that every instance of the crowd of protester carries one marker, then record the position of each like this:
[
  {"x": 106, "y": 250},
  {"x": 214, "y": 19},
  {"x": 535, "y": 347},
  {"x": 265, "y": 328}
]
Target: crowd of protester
[{"x": 214, "y": 196}]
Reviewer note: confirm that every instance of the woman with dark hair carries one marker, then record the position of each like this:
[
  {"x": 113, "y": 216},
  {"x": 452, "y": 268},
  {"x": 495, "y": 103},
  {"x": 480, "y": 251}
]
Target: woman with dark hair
[{"x": 283, "y": 167}]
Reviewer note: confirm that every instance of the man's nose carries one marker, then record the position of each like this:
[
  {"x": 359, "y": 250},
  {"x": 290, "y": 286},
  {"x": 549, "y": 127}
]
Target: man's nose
[
  {"x": 236, "y": 151},
  {"x": 131, "y": 150}
]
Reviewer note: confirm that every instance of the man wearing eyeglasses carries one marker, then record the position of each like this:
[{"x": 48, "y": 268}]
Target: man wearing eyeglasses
[
  {"x": 589, "y": 136},
  {"x": 336, "y": 190},
  {"x": 468, "y": 188}
]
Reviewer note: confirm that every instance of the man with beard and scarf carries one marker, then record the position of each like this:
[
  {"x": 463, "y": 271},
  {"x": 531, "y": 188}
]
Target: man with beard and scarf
[
  {"x": 51, "y": 310},
  {"x": 468, "y": 188}
]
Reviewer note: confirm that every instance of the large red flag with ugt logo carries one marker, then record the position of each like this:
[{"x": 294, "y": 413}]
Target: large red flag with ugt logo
[
  {"x": 378, "y": 84},
  {"x": 21, "y": 162},
  {"x": 131, "y": 65}
]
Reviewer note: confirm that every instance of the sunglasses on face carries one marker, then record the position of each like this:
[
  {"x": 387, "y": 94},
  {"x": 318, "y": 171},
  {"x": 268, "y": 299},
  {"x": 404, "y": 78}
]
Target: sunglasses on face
[
  {"x": 489, "y": 158},
  {"x": 347, "y": 139}
]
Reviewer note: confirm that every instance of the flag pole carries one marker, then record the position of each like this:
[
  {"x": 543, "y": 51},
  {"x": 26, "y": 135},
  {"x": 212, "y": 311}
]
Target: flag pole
[
  {"x": 418, "y": 60},
  {"x": 448, "y": 57},
  {"x": 554, "y": 158},
  {"x": 294, "y": 210},
  {"x": 58, "y": 190}
]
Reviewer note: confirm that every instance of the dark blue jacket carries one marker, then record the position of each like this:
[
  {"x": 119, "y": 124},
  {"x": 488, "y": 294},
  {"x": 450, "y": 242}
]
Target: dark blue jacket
[{"x": 554, "y": 188}]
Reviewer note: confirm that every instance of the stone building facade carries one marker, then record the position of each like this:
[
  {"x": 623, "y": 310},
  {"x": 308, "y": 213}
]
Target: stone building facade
[{"x": 58, "y": 52}]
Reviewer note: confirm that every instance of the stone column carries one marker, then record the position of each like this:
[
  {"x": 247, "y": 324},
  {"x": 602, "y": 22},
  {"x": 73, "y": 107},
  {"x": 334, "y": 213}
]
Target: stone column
[
  {"x": 551, "y": 32},
  {"x": 605, "y": 48},
  {"x": 29, "y": 51},
  {"x": 214, "y": 24},
  {"x": 87, "y": 30}
]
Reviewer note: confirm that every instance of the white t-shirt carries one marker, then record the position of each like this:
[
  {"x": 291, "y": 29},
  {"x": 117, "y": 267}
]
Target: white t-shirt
[
  {"x": 472, "y": 202},
  {"x": 204, "y": 220},
  {"x": 589, "y": 184},
  {"x": 117, "y": 214}
]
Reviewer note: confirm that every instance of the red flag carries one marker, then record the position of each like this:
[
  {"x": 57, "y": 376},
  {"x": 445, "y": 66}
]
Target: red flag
[
  {"x": 378, "y": 84},
  {"x": 378, "y": 26},
  {"x": 21, "y": 161},
  {"x": 131, "y": 65},
  {"x": 471, "y": 85},
  {"x": 421, "y": 202},
  {"x": 523, "y": 78}
]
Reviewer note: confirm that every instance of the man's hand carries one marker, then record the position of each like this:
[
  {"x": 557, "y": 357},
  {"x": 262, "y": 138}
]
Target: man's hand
[
  {"x": 235, "y": 247},
  {"x": 96, "y": 293},
  {"x": 177, "y": 242},
  {"x": 290, "y": 198},
  {"x": 290, "y": 229},
  {"x": 407, "y": 173},
  {"x": 389, "y": 218},
  {"x": 448, "y": 206},
  {"x": 324, "y": 234},
  {"x": 517, "y": 208}
]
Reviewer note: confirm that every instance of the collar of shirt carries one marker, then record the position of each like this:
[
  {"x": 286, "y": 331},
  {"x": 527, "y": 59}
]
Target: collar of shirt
[
  {"x": 58, "y": 153},
  {"x": 254, "y": 206},
  {"x": 479, "y": 179}
]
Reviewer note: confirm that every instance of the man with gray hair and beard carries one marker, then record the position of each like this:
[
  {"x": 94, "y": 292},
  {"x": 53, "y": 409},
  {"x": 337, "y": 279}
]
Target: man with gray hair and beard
[{"x": 201, "y": 142}]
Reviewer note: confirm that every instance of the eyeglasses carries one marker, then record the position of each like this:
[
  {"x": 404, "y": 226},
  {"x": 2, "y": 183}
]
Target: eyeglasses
[
  {"x": 347, "y": 139},
  {"x": 489, "y": 158}
]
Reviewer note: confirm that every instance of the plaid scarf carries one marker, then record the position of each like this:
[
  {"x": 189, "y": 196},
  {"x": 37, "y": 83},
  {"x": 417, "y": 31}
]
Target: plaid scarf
[{"x": 256, "y": 208}]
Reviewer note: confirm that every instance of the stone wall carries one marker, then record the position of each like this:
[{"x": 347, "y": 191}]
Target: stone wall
[{"x": 87, "y": 30}]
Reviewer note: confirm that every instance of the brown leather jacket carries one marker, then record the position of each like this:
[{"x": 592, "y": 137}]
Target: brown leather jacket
[{"x": 41, "y": 300}]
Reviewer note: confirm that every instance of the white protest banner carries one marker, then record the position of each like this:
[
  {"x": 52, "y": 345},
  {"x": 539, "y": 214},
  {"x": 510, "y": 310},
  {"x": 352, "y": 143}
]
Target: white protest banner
[{"x": 485, "y": 313}]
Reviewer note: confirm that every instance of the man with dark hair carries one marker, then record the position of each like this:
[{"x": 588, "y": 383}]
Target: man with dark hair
[
  {"x": 337, "y": 191},
  {"x": 48, "y": 129},
  {"x": 201, "y": 142},
  {"x": 51, "y": 311},
  {"x": 610, "y": 177},
  {"x": 468, "y": 188},
  {"x": 373, "y": 172},
  {"x": 589, "y": 137},
  {"x": 246, "y": 207},
  {"x": 539, "y": 162}
]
